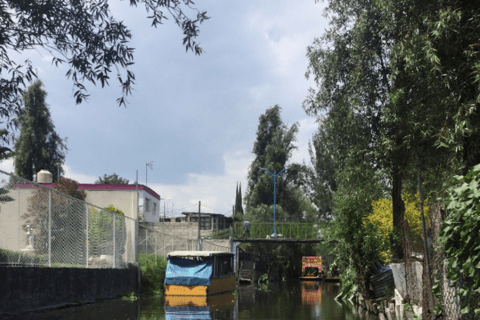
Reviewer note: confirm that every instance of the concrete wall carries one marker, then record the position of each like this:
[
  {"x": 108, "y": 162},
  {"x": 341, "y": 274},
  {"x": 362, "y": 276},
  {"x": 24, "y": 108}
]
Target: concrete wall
[
  {"x": 28, "y": 288},
  {"x": 122, "y": 200},
  {"x": 176, "y": 236},
  {"x": 179, "y": 229}
]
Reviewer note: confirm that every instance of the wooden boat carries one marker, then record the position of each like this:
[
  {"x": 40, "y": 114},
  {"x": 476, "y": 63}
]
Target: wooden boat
[
  {"x": 199, "y": 273},
  {"x": 312, "y": 268},
  {"x": 247, "y": 272}
]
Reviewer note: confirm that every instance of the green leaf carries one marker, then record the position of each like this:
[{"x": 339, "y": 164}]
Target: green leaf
[{"x": 465, "y": 309}]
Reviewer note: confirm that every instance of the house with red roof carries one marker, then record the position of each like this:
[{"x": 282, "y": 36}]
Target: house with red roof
[{"x": 125, "y": 197}]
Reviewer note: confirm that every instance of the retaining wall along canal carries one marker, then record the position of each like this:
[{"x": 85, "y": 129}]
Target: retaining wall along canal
[{"x": 25, "y": 289}]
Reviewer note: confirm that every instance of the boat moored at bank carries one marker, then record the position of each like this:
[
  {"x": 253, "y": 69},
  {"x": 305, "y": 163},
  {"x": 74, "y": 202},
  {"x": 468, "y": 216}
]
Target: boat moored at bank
[{"x": 199, "y": 273}]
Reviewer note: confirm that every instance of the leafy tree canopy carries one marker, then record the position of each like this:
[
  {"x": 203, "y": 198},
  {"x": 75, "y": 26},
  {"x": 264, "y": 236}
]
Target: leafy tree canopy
[
  {"x": 82, "y": 34},
  {"x": 38, "y": 146},
  {"x": 273, "y": 148},
  {"x": 459, "y": 236},
  {"x": 70, "y": 187},
  {"x": 381, "y": 218},
  {"x": 111, "y": 179}
]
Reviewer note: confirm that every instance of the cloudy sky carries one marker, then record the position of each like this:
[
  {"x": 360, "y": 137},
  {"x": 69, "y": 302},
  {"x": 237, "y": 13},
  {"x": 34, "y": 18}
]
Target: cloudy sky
[{"x": 195, "y": 117}]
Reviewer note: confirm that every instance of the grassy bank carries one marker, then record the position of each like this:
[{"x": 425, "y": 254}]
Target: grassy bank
[{"x": 153, "y": 268}]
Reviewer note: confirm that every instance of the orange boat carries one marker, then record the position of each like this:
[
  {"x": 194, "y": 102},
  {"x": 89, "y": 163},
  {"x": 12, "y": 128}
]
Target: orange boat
[{"x": 312, "y": 268}]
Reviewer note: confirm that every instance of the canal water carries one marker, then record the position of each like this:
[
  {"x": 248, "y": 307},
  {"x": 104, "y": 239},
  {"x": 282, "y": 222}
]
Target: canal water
[{"x": 288, "y": 300}]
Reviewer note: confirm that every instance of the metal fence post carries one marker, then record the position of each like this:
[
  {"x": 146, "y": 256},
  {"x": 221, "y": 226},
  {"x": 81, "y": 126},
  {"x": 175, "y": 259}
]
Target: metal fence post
[
  {"x": 146, "y": 240},
  {"x": 114, "y": 258},
  {"x": 49, "y": 228},
  {"x": 86, "y": 253},
  {"x": 155, "y": 247}
]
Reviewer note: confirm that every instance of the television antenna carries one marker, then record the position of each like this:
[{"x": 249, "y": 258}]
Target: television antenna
[{"x": 148, "y": 165}]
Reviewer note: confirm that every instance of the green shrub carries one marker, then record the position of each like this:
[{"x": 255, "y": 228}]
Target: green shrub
[
  {"x": 459, "y": 236},
  {"x": 100, "y": 231},
  {"x": 153, "y": 273}
]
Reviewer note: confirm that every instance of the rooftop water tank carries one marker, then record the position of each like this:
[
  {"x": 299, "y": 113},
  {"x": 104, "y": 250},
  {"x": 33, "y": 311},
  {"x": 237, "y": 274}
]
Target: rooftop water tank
[{"x": 44, "y": 176}]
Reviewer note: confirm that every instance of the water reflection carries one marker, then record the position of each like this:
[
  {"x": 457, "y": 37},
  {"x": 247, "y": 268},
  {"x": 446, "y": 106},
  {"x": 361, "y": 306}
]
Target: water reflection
[
  {"x": 203, "y": 308},
  {"x": 311, "y": 293},
  {"x": 291, "y": 300}
]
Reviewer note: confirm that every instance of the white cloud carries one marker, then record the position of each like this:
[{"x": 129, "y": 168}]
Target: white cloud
[
  {"x": 216, "y": 192},
  {"x": 7, "y": 165},
  {"x": 79, "y": 177},
  {"x": 307, "y": 127}
]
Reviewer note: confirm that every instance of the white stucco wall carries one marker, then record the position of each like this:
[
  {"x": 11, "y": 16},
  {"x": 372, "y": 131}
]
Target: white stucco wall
[
  {"x": 122, "y": 200},
  {"x": 12, "y": 235}
]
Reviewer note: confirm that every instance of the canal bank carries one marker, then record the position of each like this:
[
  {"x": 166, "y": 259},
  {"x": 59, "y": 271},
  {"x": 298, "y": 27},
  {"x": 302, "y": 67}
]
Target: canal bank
[{"x": 25, "y": 289}]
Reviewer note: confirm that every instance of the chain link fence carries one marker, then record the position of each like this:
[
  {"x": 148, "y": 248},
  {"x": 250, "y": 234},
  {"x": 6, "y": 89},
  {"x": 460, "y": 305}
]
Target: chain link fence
[
  {"x": 43, "y": 227},
  {"x": 161, "y": 243}
]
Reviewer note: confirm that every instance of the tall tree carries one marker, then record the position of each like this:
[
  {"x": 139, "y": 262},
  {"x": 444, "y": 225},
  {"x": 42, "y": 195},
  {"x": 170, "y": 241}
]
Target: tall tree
[
  {"x": 323, "y": 179},
  {"x": 377, "y": 114},
  {"x": 238, "y": 200},
  {"x": 437, "y": 46},
  {"x": 82, "y": 34},
  {"x": 38, "y": 146},
  {"x": 111, "y": 179},
  {"x": 272, "y": 149}
]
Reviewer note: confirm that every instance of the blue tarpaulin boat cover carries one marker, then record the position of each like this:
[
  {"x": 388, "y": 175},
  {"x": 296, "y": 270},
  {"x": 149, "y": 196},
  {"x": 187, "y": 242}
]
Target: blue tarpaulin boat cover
[
  {"x": 187, "y": 313},
  {"x": 189, "y": 272}
]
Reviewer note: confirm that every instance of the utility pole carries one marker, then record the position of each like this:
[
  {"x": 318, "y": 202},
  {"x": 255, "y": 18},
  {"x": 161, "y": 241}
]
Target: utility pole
[
  {"x": 136, "y": 221},
  {"x": 164, "y": 215},
  {"x": 199, "y": 206},
  {"x": 274, "y": 175}
]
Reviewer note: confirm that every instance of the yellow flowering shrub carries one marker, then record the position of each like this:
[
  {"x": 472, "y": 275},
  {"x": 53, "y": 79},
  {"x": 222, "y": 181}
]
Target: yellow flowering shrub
[
  {"x": 382, "y": 218},
  {"x": 112, "y": 208}
]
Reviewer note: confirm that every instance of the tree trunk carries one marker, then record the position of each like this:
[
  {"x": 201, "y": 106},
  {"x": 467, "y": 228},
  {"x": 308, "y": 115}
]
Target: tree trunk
[{"x": 398, "y": 215}]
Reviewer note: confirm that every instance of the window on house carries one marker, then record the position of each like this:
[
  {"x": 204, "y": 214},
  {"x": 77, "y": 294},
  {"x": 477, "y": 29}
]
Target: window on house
[
  {"x": 147, "y": 204},
  {"x": 154, "y": 208},
  {"x": 205, "y": 222}
]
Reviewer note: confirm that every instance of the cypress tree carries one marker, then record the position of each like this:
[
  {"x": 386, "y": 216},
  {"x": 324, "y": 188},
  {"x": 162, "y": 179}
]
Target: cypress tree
[
  {"x": 38, "y": 146},
  {"x": 238, "y": 201}
]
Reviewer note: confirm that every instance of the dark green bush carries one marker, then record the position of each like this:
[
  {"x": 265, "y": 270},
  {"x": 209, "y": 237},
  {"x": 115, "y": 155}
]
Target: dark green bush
[{"x": 153, "y": 273}]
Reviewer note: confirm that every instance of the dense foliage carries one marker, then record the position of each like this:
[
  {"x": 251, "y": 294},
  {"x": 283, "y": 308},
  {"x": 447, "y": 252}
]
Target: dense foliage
[
  {"x": 273, "y": 149},
  {"x": 396, "y": 96},
  {"x": 381, "y": 218},
  {"x": 101, "y": 231},
  {"x": 38, "y": 146},
  {"x": 64, "y": 220},
  {"x": 111, "y": 179},
  {"x": 70, "y": 187},
  {"x": 153, "y": 269},
  {"x": 461, "y": 241}
]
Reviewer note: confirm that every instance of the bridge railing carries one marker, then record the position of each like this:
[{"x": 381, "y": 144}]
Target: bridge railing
[{"x": 287, "y": 230}]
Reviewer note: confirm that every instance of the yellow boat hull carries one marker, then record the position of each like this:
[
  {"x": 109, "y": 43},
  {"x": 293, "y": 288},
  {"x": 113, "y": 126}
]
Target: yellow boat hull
[{"x": 217, "y": 285}]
